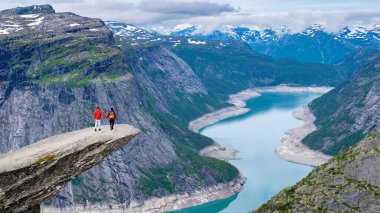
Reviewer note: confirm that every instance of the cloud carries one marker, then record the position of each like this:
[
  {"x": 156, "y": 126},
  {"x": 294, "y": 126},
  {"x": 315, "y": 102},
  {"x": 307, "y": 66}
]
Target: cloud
[
  {"x": 211, "y": 15},
  {"x": 296, "y": 21},
  {"x": 196, "y": 8}
]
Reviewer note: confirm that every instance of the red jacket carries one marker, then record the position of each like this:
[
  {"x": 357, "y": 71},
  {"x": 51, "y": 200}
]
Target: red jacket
[{"x": 98, "y": 114}]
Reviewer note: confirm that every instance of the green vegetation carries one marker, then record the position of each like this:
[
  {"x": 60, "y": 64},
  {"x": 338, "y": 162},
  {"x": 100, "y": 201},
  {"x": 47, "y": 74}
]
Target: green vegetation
[
  {"x": 83, "y": 198},
  {"x": 345, "y": 114},
  {"x": 235, "y": 67},
  {"x": 78, "y": 63},
  {"x": 77, "y": 181},
  {"x": 193, "y": 165},
  {"x": 47, "y": 202},
  {"x": 103, "y": 181}
]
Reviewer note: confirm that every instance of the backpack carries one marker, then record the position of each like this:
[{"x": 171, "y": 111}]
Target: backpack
[{"x": 112, "y": 115}]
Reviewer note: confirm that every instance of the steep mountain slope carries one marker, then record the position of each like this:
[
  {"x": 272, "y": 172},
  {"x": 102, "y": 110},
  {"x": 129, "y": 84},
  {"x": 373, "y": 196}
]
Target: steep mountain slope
[
  {"x": 314, "y": 44},
  {"x": 58, "y": 66},
  {"x": 232, "y": 66},
  {"x": 350, "y": 182},
  {"x": 349, "y": 112},
  {"x": 347, "y": 65}
]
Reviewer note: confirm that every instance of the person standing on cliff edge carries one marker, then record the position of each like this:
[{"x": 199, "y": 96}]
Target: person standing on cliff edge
[
  {"x": 98, "y": 118},
  {"x": 112, "y": 116}
]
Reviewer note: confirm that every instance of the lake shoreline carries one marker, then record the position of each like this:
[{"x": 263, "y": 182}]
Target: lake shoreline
[
  {"x": 225, "y": 190},
  {"x": 166, "y": 203},
  {"x": 293, "y": 150},
  {"x": 238, "y": 104},
  {"x": 198, "y": 197},
  {"x": 238, "y": 101}
]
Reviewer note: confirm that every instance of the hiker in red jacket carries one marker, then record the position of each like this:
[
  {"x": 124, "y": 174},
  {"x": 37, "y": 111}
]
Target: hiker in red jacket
[
  {"x": 98, "y": 117},
  {"x": 112, "y": 116}
]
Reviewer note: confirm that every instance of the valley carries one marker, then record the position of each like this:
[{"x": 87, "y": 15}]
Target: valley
[{"x": 56, "y": 67}]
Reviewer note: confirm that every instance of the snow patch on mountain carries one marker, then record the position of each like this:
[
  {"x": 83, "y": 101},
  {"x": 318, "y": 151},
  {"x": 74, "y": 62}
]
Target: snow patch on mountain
[
  {"x": 361, "y": 31},
  {"x": 131, "y": 32},
  {"x": 30, "y": 16},
  {"x": 74, "y": 24},
  {"x": 195, "y": 42},
  {"x": 36, "y": 22}
]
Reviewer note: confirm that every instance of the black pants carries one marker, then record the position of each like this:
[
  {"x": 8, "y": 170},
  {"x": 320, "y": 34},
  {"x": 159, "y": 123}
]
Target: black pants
[{"x": 112, "y": 122}]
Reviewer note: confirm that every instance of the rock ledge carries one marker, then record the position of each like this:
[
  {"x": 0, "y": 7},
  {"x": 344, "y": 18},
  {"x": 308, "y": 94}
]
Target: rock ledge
[{"x": 41, "y": 169}]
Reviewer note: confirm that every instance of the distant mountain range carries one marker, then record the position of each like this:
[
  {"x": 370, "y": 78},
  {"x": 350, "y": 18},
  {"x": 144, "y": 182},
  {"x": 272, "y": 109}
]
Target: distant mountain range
[{"x": 314, "y": 44}]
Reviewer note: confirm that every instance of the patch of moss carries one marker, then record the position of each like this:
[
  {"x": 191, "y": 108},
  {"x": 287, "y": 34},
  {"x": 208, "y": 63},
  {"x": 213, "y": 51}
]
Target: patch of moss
[
  {"x": 103, "y": 181},
  {"x": 44, "y": 159},
  {"x": 48, "y": 202},
  {"x": 77, "y": 181}
]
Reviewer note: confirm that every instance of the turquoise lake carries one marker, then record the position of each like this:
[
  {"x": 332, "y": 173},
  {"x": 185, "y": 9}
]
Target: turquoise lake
[{"x": 256, "y": 134}]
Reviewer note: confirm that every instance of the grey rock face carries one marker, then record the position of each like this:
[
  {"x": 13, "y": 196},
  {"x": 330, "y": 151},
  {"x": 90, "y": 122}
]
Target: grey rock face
[
  {"x": 347, "y": 183},
  {"x": 349, "y": 112},
  {"x": 40, "y": 170}
]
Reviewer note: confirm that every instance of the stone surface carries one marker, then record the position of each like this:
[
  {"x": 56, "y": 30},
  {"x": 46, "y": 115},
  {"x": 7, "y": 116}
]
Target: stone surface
[
  {"x": 40, "y": 170},
  {"x": 347, "y": 183}
]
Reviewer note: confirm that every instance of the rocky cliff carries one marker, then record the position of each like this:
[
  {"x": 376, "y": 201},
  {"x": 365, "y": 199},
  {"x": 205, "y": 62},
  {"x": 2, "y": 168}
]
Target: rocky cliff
[
  {"x": 41, "y": 169},
  {"x": 56, "y": 67},
  {"x": 349, "y": 112},
  {"x": 350, "y": 182}
]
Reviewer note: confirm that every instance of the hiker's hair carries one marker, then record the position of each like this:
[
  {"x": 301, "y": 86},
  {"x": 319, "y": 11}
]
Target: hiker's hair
[
  {"x": 97, "y": 107},
  {"x": 111, "y": 108}
]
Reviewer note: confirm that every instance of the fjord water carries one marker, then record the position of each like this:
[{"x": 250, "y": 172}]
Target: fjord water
[{"x": 256, "y": 134}]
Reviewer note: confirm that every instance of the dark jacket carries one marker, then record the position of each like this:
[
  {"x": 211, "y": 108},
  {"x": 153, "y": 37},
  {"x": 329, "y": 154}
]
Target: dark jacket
[{"x": 109, "y": 113}]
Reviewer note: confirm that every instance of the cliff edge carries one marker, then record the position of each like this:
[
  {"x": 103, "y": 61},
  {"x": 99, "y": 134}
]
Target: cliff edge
[{"x": 34, "y": 173}]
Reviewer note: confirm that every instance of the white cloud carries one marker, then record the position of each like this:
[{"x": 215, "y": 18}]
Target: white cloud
[
  {"x": 296, "y": 21},
  {"x": 200, "y": 8},
  {"x": 209, "y": 15}
]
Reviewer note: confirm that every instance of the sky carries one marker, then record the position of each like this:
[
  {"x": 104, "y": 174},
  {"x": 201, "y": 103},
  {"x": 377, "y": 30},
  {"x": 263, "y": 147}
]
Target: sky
[{"x": 209, "y": 15}]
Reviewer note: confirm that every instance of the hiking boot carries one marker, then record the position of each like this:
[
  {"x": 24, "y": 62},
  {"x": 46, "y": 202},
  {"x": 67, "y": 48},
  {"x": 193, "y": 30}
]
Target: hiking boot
[
  {"x": 100, "y": 129},
  {"x": 95, "y": 130}
]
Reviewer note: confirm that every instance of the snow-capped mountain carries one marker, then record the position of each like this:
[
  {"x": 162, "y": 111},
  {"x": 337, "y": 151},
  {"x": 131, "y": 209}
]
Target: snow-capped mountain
[
  {"x": 138, "y": 36},
  {"x": 359, "y": 34},
  {"x": 133, "y": 33},
  {"x": 314, "y": 44},
  {"x": 252, "y": 33}
]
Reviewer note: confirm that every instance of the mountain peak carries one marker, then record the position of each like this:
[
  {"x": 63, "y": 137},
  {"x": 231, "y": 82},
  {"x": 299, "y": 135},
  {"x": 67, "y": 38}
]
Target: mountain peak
[{"x": 47, "y": 8}]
